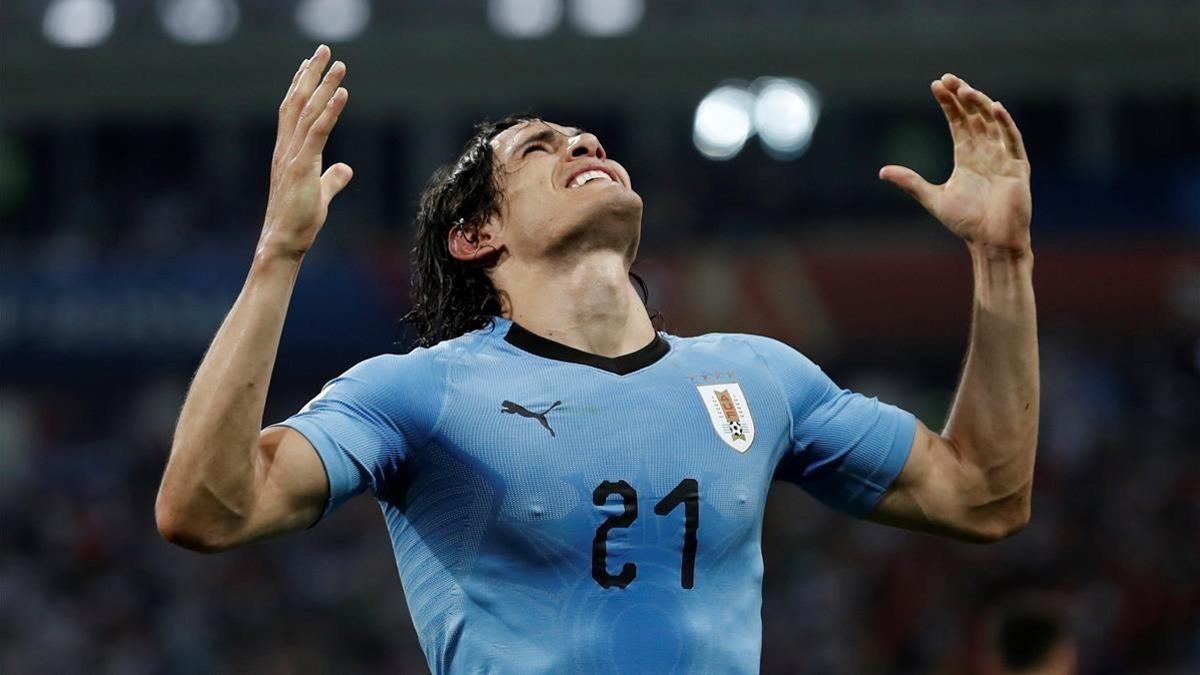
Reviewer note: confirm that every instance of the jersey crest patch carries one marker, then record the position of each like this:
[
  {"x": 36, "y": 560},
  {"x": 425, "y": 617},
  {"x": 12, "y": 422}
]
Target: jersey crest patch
[{"x": 729, "y": 412}]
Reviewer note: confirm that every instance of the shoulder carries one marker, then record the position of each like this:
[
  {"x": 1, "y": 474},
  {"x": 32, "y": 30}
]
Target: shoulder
[
  {"x": 404, "y": 392},
  {"x": 745, "y": 345},
  {"x": 757, "y": 355},
  {"x": 421, "y": 370},
  {"x": 385, "y": 368}
]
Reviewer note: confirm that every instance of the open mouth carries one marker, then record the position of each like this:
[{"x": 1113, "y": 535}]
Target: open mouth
[{"x": 591, "y": 176}]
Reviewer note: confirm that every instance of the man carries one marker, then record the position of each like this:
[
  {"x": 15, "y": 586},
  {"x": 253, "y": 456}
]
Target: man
[{"x": 566, "y": 490}]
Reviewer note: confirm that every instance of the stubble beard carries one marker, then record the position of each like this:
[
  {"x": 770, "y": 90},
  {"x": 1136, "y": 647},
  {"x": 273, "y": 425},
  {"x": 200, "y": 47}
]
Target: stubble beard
[{"x": 615, "y": 225}]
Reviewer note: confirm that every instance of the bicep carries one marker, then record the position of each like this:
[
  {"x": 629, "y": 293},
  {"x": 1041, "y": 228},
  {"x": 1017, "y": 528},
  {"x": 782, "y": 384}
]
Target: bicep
[
  {"x": 292, "y": 486},
  {"x": 933, "y": 492}
]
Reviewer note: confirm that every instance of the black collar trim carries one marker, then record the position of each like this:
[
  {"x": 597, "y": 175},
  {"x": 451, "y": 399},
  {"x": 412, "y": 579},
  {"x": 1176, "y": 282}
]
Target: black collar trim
[{"x": 622, "y": 365}]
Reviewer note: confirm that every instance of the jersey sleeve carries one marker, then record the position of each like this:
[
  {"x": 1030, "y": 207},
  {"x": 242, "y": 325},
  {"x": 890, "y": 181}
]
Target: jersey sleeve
[
  {"x": 846, "y": 449},
  {"x": 365, "y": 423}
]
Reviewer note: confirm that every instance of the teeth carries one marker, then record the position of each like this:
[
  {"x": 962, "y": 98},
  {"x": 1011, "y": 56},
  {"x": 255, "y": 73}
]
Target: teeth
[{"x": 589, "y": 175}]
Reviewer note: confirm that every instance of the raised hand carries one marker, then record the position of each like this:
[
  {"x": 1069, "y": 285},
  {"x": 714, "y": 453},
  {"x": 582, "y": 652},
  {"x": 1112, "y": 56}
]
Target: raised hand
[
  {"x": 300, "y": 193},
  {"x": 986, "y": 200}
]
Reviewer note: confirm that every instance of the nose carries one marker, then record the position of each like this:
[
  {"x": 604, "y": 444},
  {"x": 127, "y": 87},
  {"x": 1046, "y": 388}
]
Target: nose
[{"x": 586, "y": 145}]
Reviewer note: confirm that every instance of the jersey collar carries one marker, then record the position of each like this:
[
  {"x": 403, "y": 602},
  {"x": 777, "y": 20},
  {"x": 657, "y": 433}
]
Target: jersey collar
[{"x": 522, "y": 339}]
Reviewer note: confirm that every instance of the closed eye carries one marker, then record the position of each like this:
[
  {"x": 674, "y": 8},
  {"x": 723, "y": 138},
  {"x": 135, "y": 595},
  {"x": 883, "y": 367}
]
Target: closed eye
[{"x": 535, "y": 146}]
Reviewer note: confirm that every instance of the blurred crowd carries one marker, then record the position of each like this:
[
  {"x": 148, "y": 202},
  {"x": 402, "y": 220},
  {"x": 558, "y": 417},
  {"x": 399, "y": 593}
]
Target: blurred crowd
[{"x": 88, "y": 585}]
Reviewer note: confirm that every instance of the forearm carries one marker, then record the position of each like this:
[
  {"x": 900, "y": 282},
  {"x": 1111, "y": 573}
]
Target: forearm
[
  {"x": 993, "y": 423},
  {"x": 210, "y": 479}
]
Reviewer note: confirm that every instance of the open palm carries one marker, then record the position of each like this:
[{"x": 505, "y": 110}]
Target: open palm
[{"x": 986, "y": 200}]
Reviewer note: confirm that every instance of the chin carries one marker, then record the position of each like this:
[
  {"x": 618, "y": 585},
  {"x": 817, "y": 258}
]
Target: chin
[
  {"x": 619, "y": 214},
  {"x": 613, "y": 223},
  {"x": 624, "y": 204}
]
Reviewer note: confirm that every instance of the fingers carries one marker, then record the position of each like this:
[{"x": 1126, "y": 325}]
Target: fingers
[
  {"x": 335, "y": 179},
  {"x": 316, "y": 105},
  {"x": 1012, "y": 135},
  {"x": 956, "y": 117},
  {"x": 980, "y": 117},
  {"x": 985, "y": 117},
  {"x": 911, "y": 182},
  {"x": 295, "y": 79},
  {"x": 971, "y": 100},
  {"x": 284, "y": 107},
  {"x": 952, "y": 82},
  {"x": 318, "y": 133},
  {"x": 298, "y": 95},
  {"x": 974, "y": 104}
]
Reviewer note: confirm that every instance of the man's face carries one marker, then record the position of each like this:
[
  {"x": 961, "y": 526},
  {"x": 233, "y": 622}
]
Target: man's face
[{"x": 561, "y": 193}]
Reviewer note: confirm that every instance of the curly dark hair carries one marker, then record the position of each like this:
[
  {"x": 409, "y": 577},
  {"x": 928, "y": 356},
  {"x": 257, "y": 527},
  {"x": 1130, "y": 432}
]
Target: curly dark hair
[{"x": 450, "y": 296}]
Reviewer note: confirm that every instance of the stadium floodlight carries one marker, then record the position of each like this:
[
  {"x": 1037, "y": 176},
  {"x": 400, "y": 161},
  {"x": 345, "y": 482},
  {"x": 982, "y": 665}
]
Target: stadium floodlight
[
  {"x": 723, "y": 121},
  {"x": 605, "y": 18},
  {"x": 198, "y": 22},
  {"x": 524, "y": 19},
  {"x": 333, "y": 20},
  {"x": 78, "y": 24},
  {"x": 785, "y": 114}
]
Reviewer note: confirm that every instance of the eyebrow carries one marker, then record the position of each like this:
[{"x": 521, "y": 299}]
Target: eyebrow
[{"x": 546, "y": 135}]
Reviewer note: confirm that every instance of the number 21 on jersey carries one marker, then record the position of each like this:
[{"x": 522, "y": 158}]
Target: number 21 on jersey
[{"x": 686, "y": 493}]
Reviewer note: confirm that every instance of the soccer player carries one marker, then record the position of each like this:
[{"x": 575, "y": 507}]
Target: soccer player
[{"x": 566, "y": 489}]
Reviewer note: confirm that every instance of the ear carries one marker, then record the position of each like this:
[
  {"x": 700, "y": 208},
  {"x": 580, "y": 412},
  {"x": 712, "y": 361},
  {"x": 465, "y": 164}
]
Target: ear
[{"x": 475, "y": 243}]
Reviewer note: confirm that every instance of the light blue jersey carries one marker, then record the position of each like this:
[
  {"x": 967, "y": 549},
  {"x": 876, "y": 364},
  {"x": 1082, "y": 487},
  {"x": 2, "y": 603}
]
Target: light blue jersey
[{"x": 554, "y": 511}]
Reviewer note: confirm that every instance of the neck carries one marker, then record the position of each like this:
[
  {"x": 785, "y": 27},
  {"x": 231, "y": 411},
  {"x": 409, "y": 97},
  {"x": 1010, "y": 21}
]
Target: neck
[{"x": 587, "y": 303}]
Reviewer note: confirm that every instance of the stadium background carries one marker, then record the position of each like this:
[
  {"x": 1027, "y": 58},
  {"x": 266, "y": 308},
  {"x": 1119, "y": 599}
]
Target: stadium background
[{"x": 134, "y": 144}]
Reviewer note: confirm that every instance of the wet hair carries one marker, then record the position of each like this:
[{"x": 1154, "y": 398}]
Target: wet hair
[{"x": 451, "y": 297}]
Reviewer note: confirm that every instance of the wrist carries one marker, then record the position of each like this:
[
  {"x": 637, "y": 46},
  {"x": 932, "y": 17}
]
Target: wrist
[
  {"x": 1003, "y": 278},
  {"x": 272, "y": 247},
  {"x": 282, "y": 240},
  {"x": 986, "y": 253},
  {"x": 274, "y": 259}
]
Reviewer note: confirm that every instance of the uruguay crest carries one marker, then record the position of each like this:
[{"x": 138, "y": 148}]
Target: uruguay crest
[{"x": 729, "y": 412}]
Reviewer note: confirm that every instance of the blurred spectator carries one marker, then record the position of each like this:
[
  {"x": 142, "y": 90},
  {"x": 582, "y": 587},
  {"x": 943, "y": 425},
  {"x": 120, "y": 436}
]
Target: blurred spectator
[{"x": 1031, "y": 637}]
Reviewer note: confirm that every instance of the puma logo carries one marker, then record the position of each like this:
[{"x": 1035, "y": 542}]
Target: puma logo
[{"x": 510, "y": 408}]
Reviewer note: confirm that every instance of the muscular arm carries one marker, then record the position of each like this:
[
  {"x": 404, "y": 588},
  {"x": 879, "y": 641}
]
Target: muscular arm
[
  {"x": 974, "y": 480},
  {"x": 227, "y": 483}
]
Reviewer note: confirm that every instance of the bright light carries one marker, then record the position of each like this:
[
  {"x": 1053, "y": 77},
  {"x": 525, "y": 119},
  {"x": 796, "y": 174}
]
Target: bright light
[
  {"x": 197, "y": 22},
  {"x": 785, "y": 114},
  {"x": 525, "y": 19},
  {"x": 78, "y": 23},
  {"x": 333, "y": 20},
  {"x": 605, "y": 18},
  {"x": 723, "y": 122}
]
